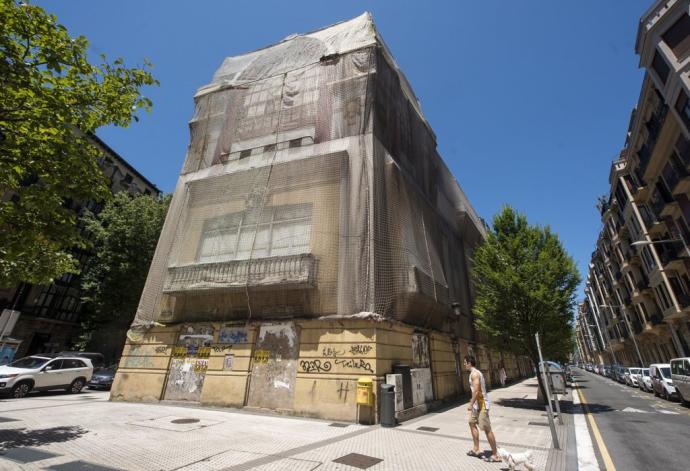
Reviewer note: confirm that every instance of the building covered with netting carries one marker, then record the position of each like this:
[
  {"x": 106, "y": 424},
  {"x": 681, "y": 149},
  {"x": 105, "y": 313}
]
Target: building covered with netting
[{"x": 315, "y": 236}]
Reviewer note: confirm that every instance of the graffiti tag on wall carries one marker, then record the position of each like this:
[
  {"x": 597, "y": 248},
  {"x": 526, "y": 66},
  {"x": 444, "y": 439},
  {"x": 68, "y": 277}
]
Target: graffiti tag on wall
[
  {"x": 360, "y": 349},
  {"x": 356, "y": 363},
  {"x": 315, "y": 366},
  {"x": 221, "y": 348},
  {"x": 331, "y": 352}
]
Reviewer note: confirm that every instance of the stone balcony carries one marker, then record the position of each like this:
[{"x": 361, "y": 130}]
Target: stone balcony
[{"x": 294, "y": 271}]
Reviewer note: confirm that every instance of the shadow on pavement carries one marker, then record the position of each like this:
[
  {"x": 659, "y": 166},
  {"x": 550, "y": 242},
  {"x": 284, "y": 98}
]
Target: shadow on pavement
[
  {"x": 531, "y": 404},
  {"x": 15, "y": 438}
]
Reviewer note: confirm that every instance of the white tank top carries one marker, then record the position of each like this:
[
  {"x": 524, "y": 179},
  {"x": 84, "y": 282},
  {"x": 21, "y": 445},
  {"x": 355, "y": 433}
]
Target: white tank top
[{"x": 482, "y": 401}]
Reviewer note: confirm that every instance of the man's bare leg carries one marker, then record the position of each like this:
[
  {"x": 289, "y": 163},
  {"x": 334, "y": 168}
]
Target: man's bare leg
[
  {"x": 475, "y": 437},
  {"x": 492, "y": 442}
]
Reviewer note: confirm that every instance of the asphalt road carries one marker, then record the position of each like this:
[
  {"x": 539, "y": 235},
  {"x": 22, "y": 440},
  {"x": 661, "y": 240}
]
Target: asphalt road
[{"x": 640, "y": 431}]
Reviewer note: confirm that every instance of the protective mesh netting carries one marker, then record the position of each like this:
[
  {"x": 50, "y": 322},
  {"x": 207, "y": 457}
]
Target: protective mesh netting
[{"x": 312, "y": 187}]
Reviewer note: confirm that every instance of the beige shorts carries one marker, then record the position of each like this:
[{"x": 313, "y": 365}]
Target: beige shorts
[{"x": 481, "y": 419}]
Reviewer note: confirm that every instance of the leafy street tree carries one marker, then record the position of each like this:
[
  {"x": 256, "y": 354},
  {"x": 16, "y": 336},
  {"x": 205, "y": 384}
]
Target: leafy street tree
[
  {"x": 51, "y": 100},
  {"x": 124, "y": 236},
  {"x": 525, "y": 284}
]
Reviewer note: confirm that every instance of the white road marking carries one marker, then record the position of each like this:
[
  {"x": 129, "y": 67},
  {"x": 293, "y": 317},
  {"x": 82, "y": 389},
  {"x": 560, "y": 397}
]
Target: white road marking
[
  {"x": 664, "y": 411},
  {"x": 586, "y": 459},
  {"x": 632, "y": 409}
]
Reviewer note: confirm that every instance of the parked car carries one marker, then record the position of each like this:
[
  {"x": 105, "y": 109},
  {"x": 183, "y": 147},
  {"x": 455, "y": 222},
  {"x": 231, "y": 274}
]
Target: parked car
[
  {"x": 97, "y": 359},
  {"x": 645, "y": 382},
  {"x": 43, "y": 373},
  {"x": 608, "y": 371},
  {"x": 102, "y": 378},
  {"x": 633, "y": 377},
  {"x": 619, "y": 374},
  {"x": 680, "y": 375},
  {"x": 662, "y": 384}
]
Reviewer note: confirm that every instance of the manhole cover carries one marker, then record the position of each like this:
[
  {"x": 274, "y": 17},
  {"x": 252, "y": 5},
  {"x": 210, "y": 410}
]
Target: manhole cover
[
  {"x": 337, "y": 424},
  {"x": 427, "y": 429},
  {"x": 358, "y": 461},
  {"x": 184, "y": 421}
]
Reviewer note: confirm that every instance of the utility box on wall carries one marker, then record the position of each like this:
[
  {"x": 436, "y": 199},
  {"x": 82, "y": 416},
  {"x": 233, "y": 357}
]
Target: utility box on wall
[
  {"x": 397, "y": 381},
  {"x": 422, "y": 390}
]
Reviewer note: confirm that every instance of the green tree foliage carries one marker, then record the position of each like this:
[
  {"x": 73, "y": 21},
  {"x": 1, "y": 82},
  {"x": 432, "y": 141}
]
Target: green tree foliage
[
  {"x": 51, "y": 100},
  {"x": 525, "y": 284},
  {"x": 124, "y": 237}
]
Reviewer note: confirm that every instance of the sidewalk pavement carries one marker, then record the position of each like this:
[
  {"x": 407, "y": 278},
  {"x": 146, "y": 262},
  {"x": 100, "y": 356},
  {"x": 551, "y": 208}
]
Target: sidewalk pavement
[{"x": 87, "y": 432}]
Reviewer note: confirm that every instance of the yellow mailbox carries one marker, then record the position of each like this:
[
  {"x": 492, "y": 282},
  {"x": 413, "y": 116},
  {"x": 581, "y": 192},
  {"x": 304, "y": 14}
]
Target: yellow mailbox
[{"x": 365, "y": 391}]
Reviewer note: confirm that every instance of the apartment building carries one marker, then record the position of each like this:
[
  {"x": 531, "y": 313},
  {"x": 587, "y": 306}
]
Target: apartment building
[
  {"x": 638, "y": 285},
  {"x": 315, "y": 236},
  {"x": 49, "y": 319}
]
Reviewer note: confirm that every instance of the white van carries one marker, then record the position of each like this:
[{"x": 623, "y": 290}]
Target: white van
[
  {"x": 680, "y": 374},
  {"x": 662, "y": 384}
]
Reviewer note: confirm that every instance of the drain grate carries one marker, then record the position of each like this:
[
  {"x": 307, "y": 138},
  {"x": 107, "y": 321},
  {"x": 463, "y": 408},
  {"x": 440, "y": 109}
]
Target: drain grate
[
  {"x": 184, "y": 421},
  {"x": 358, "y": 461},
  {"x": 543, "y": 424},
  {"x": 427, "y": 429},
  {"x": 337, "y": 424},
  {"x": 7, "y": 419}
]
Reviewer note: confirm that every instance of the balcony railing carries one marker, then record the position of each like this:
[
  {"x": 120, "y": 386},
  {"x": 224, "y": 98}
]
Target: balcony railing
[{"x": 287, "y": 270}]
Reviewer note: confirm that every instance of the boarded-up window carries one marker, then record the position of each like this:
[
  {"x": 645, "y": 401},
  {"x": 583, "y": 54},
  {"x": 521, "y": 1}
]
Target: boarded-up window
[
  {"x": 273, "y": 231},
  {"x": 420, "y": 351},
  {"x": 660, "y": 67},
  {"x": 678, "y": 37}
]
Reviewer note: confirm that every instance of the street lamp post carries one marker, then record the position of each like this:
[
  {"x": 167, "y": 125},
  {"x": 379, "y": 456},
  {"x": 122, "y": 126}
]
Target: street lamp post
[
  {"x": 632, "y": 334},
  {"x": 641, "y": 243}
]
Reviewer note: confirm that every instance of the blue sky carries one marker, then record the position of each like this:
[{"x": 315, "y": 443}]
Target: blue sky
[{"x": 530, "y": 100}]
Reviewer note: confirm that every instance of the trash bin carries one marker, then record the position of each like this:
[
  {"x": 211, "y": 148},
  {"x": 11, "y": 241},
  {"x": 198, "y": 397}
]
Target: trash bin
[{"x": 387, "y": 405}]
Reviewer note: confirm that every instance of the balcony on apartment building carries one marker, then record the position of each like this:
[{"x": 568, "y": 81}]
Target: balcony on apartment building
[
  {"x": 661, "y": 202},
  {"x": 653, "y": 126},
  {"x": 656, "y": 319},
  {"x": 289, "y": 271},
  {"x": 672, "y": 256},
  {"x": 676, "y": 175},
  {"x": 636, "y": 326}
]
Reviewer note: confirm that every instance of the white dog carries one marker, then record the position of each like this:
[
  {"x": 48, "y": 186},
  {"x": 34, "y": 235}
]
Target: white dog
[{"x": 513, "y": 460}]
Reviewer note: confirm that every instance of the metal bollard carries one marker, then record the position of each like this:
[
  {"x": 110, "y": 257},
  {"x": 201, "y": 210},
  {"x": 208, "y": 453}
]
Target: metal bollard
[{"x": 388, "y": 405}]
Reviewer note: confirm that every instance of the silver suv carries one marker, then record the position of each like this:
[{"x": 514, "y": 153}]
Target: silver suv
[{"x": 42, "y": 373}]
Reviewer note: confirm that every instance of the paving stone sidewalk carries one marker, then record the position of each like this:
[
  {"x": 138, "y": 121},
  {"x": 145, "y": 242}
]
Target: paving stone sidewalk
[{"x": 87, "y": 432}]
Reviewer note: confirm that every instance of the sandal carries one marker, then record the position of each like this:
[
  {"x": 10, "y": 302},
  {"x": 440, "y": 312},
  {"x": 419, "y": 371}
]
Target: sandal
[
  {"x": 474, "y": 453},
  {"x": 491, "y": 459}
]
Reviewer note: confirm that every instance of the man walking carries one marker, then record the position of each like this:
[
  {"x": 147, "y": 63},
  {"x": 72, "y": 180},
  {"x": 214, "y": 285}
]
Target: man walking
[{"x": 479, "y": 411}]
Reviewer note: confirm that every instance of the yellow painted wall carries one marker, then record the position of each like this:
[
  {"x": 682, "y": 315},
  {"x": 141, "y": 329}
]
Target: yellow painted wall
[{"x": 332, "y": 356}]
